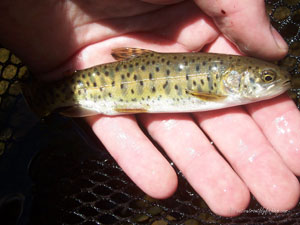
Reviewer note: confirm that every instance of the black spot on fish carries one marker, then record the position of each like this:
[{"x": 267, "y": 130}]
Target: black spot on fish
[
  {"x": 130, "y": 65},
  {"x": 95, "y": 84},
  {"x": 136, "y": 64},
  {"x": 143, "y": 98},
  {"x": 221, "y": 62},
  {"x": 135, "y": 77},
  {"x": 153, "y": 89},
  {"x": 121, "y": 100},
  {"x": 141, "y": 83},
  {"x": 79, "y": 92},
  {"x": 121, "y": 86},
  {"x": 150, "y": 76},
  {"x": 168, "y": 62},
  {"x": 157, "y": 69},
  {"x": 98, "y": 73},
  {"x": 209, "y": 68},
  {"x": 153, "y": 62},
  {"x": 215, "y": 84},
  {"x": 187, "y": 76},
  {"x": 125, "y": 66},
  {"x": 88, "y": 84},
  {"x": 109, "y": 94},
  {"x": 197, "y": 68},
  {"x": 148, "y": 62},
  {"x": 249, "y": 67},
  {"x": 122, "y": 76},
  {"x": 174, "y": 57},
  {"x": 245, "y": 86},
  {"x": 208, "y": 78},
  {"x": 132, "y": 91},
  {"x": 193, "y": 60},
  {"x": 163, "y": 60},
  {"x": 99, "y": 96},
  {"x": 89, "y": 74},
  {"x": 117, "y": 69},
  {"x": 106, "y": 73},
  {"x": 217, "y": 76},
  {"x": 165, "y": 85},
  {"x": 202, "y": 81},
  {"x": 83, "y": 75},
  {"x": 176, "y": 87},
  {"x": 185, "y": 63},
  {"x": 113, "y": 83},
  {"x": 209, "y": 59},
  {"x": 128, "y": 75},
  {"x": 184, "y": 57},
  {"x": 230, "y": 57},
  {"x": 143, "y": 67},
  {"x": 168, "y": 72},
  {"x": 152, "y": 54},
  {"x": 204, "y": 63},
  {"x": 101, "y": 88},
  {"x": 194, "y": 83},
  {"x": 133, "y": 99}
]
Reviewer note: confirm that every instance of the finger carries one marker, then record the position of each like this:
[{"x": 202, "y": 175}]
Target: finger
[
  {"x": 246, "y": 24},
  {"x": 135, "y": 154},
  {"x": 202, "y": 166},
  {"x": 280, "y": 121},
  {"x": 252, "y": 157}
]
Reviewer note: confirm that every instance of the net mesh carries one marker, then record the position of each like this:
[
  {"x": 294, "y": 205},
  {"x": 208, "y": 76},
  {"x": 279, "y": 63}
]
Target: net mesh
[{"x": 75, "y": 184}]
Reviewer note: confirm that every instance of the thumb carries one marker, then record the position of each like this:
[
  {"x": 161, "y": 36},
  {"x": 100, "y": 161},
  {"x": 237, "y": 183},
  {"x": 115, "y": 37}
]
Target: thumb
[{"x": 246, "y": 24}]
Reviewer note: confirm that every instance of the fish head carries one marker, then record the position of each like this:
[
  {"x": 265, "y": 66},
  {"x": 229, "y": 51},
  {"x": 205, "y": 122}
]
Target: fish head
[{"x": 258, "y": 82}]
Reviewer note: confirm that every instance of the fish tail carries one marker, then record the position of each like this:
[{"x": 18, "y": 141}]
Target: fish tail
[{"x": 31, "y": 92}]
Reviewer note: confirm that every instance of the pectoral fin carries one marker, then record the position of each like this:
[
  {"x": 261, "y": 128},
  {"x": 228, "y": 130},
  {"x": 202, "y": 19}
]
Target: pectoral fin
[
  {"x": 127, "y": 53},
  {"x": 207, "y": 96}
]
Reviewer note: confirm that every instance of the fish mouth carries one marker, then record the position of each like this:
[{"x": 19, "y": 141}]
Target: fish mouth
[{"x": 287, "y": 84}]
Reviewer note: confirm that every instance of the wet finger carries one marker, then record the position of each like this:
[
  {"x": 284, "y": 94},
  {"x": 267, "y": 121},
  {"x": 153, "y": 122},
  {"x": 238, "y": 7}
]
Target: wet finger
[
  {"x": 200, "y": 163},
  {"x": 279, "y": 119},
  {"x": 135, "y": 154},
  {"x": 252, "y": 157}
]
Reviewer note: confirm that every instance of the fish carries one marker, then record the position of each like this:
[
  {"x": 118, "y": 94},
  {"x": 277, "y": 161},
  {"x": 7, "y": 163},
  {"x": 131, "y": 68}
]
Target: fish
[{"x": 145, "y": 81}]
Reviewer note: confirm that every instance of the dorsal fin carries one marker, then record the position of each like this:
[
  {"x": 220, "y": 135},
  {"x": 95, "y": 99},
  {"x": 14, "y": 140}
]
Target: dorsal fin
[{"x": 127, "y": 53}]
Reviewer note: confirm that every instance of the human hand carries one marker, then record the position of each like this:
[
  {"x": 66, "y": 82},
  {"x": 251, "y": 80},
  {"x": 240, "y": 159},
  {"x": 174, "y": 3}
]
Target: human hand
[{"x": 260, "y": 141}]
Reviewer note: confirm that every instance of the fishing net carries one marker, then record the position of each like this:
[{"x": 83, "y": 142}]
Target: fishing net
[{"x": 52, "y": 171}]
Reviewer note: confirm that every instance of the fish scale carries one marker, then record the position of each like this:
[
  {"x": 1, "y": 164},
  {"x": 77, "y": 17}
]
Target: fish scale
[{"x": 147, "y": 81}]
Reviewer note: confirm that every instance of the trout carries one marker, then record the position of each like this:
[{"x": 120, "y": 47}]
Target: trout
[{"x": 144, "y": 81}]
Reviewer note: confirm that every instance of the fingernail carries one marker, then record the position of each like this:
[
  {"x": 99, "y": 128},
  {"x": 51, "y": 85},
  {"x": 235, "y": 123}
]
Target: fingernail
[{"x": 280, "y": 42}]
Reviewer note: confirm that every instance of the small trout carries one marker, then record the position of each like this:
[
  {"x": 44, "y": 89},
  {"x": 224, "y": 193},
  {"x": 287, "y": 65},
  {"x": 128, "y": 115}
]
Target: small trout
[{"x": 143, "y": 81}]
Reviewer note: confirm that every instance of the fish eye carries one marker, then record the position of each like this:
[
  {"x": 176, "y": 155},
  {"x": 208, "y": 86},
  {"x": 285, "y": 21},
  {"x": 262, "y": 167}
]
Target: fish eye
[{"x": 268, "y": 76}]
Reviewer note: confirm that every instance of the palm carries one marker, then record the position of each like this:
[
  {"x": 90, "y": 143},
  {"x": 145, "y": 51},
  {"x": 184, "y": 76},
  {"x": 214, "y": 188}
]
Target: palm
[{"x": 79, "y": 34}]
